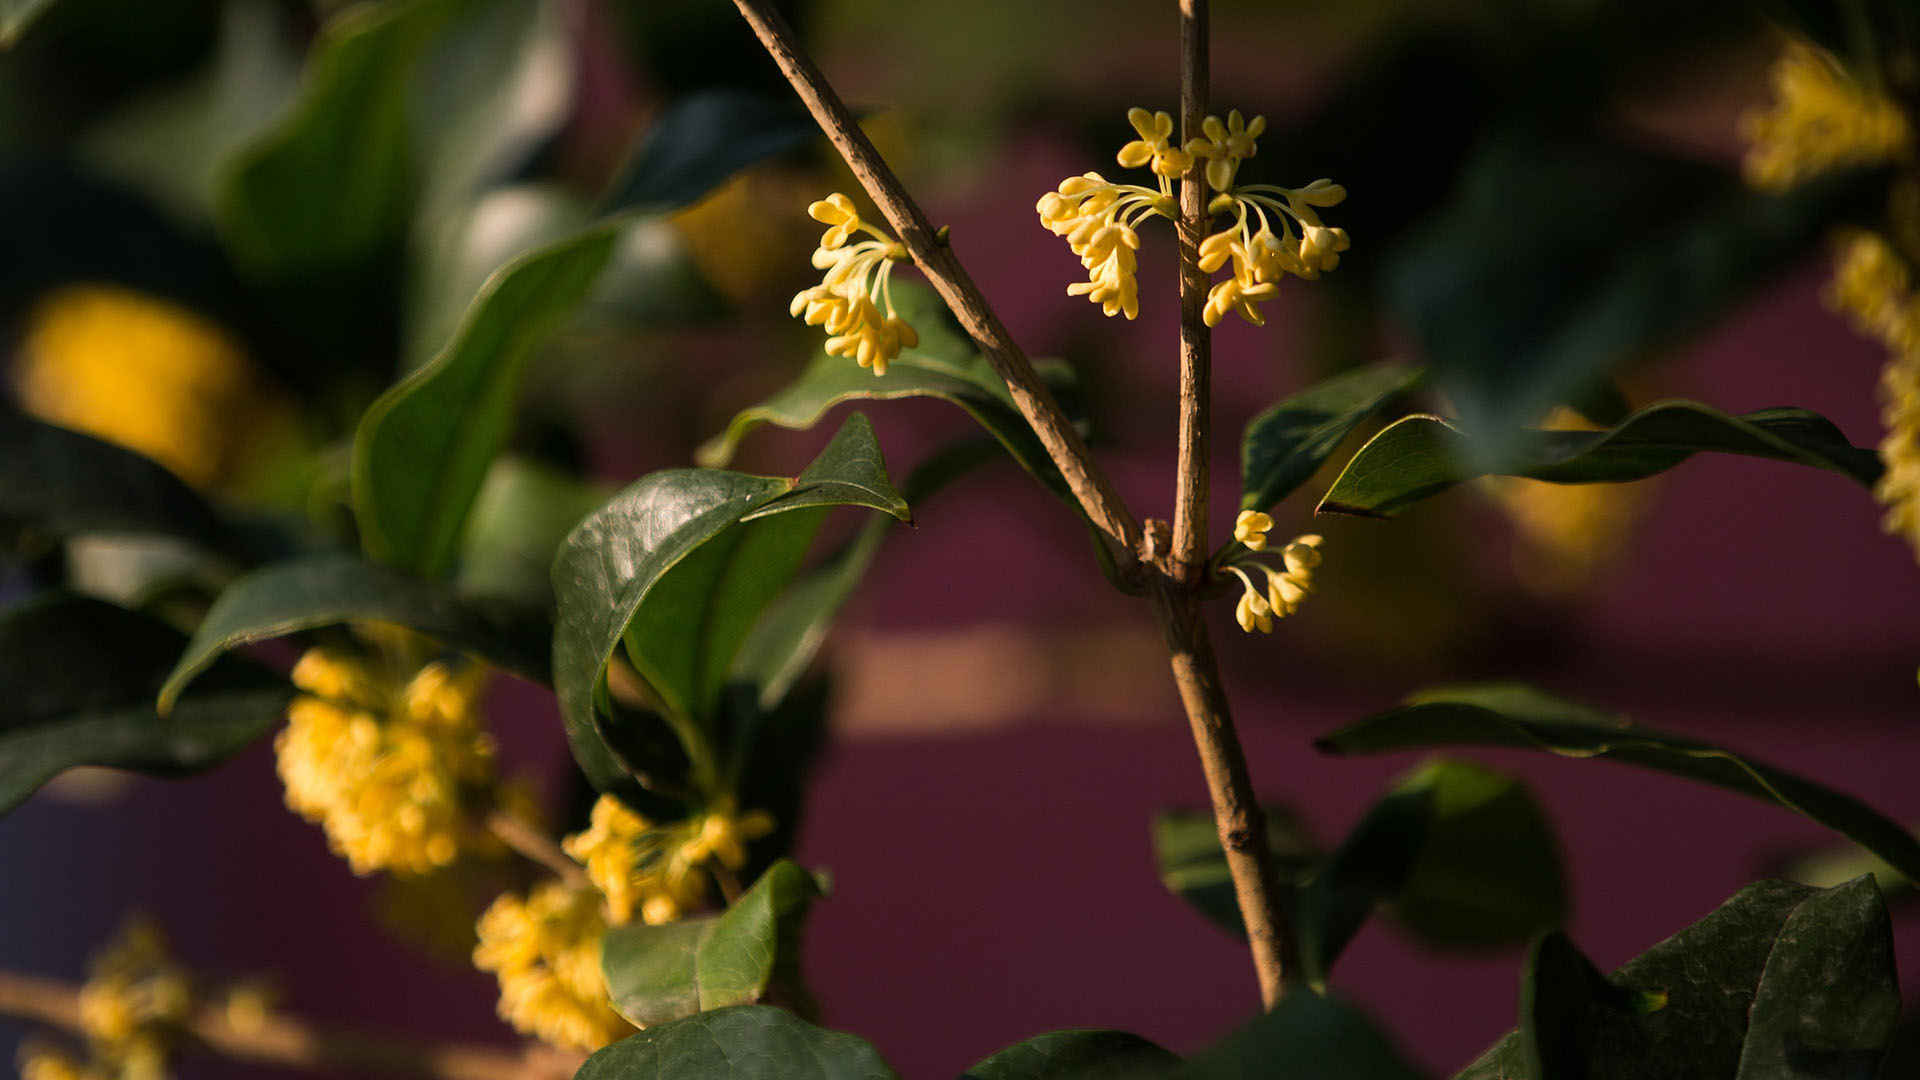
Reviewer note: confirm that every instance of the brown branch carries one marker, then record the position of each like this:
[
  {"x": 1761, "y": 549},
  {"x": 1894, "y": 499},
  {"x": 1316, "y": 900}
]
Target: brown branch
[
  {"x": 537, "y": 847},
  {"x": 937, "y": 261},
  {"x": 1236, "y": 811},
  {"x": 284, "y": 1041}
]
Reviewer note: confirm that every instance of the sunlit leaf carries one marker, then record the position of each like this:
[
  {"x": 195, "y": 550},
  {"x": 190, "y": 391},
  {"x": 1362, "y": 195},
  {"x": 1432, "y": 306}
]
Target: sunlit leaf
[{"x": 1287, "y": 443}]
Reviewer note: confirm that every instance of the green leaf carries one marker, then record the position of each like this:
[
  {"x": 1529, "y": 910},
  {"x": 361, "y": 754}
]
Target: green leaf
[
  {"x": 1284, "y": 445},
  {"x": 520, "y": 517},
  {"x": 424, "y": 447},
  {"x": 78, "y": 678},
  {"x": 328, "y": 589},
  {"x": 944, "y": 365},
  {"x": 672, "y": 566},
  {"x": 1305, "y": 1037},
  {"x": 332, "y": 186},
  {"x": 16, "y": 16},
  {"x": 662, "y": 973},
  {"x": 1781, "y": 981},
  {"x": 1464, "y": 854},
  {"x": 1534, "y": 721},
  {"x": 701, "y": 140},
  {"x": 60, "y": 483},
  {"x": 1421, "y": 456},
  {"x": 1186, "y": 848},
  {"x": 747, "y": 1042},
  {"x": 1076, "y": 1055}
]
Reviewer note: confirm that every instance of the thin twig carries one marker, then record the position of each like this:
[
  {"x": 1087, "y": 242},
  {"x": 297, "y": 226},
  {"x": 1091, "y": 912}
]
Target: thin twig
[
  {"x": 285, "y": 1041},
  {"x": 937, "y": 261},
  {"x": 1236, "y": 810},
  {"x": 536, "y": 846}
]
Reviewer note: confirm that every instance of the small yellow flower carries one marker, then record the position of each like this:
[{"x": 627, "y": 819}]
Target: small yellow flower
[
  {"x": 1250, "y": 528},
  {"x": 1286, "y": 588},
  {"x": 545, "y": 952},
  {"x": 850, "y": 299},
  {"x": 1241, "y": 295},
  {"x": 389, "y": 763},
  {"x": 39, "y": 1061},
  {"x": 1821, "y": 119},
  {"x": 1225, "y": 146},
  {"x": 1152, "y": 148}
]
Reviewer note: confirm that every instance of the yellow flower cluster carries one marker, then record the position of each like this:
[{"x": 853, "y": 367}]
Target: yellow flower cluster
[
  {"x": 134, "y": 1000},
  {"x": 655, "y": 871},
  {"x": 385, "y": 761},
  {"x": 1099, "y": 219},
  {"x": 545, "y": 950},
  {"x": 1822, "y": 119},
  {"x": 1286, "y": 589},
  {"x": 1872, "y": 285},
  {"x": 849, "y": 301},
  {"x": 136, "y": 371}
]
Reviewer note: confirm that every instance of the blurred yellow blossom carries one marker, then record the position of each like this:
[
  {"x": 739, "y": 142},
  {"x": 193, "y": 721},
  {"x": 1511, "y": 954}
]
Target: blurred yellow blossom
[
  {"x": 1821, "y": 119},
  {"x": 545, "y": 951},
  {"x": 1873, "y": 287}
]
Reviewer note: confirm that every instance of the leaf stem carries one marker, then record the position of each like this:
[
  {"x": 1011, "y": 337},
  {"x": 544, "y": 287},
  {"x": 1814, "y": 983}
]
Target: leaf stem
[
  {"x": 942, "y": 268},
  {"x": 286, "y": 1041},
  {"x": 536, "y": 846},
  {"x": 1236, "y": 810}
]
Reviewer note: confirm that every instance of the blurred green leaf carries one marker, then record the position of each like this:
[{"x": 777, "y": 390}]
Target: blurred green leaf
[
  {"x": 61, "y": 483},
  {"x": 1077, "y": 1055},
  {"x": 16, "y": 16},
  {"x": 521, "y": 515},
  {"x": 423, "y": 449},
  {"x": 1781, "y": 981},
  {"x": 676, "y": 551},
  {"x": 1520, "y": 299},
  {"x": 332, "y": 186},
  {"x": 1304, "y": 1037},
  {"x": 701, "y": 140},
  {"x": 746, "y": 1042},
  {"x": 325, "y": 590},
  {"x": 1464, "y": 854},
  {"x": 1461, "y": 716},
  {"x": 1419, "y": 457},
  {"x": 1186, "y": 848},
  {"x": 78, "y": 677},
  {"x": 678, "y": 969},
  {"x": 944, "y": 365},
  {"x": 1287, "y": 443}
]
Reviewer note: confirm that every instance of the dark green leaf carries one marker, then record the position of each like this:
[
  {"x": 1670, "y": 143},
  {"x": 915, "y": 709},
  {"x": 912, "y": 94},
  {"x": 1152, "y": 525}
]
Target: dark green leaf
[
  {"x": 1421, "y": 456},
  {"x": 1534, "y": 721},
  {"x": 1077, "y": 1055},
  {"x": 1780, "y": 981},
  {"x": 1519, "y": 297},
  {"x": 1284, "y": 445},
  {"x": 1186, "y": 847},
  {"x": 1462, "y": 852},
  {"x": 78, "y": 678},
  {"x": 944, "y": 365},
  {"x": 60, "y": 482},
  {"x": 328, "y": 589},
  {"x": 703, "y": 139},
  {"x": 662, "y": 973},
  {"x": 424, "y": 447},
  {"x": 332, "y": 186},
  {"x": 519, "y": 518},
  {"x": 747, "y": 1042},
  {"x": 1305, "y": 1037},
  {"x": 672, "y": 566}
]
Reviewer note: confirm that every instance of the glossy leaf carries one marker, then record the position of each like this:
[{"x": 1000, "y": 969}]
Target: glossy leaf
[
  {"x": 1077, "y": 1055},
  {"x": 424, "y": 447},
  {"x": 1781, "y": 981},
  {"x": 1286, "y": 444},
  {"x": 944, "y": 365},
  {"x": 78, "y": 678},
  {"x": 326, "y": 590},
  {"x": 1503, "y": 715},
  {"x": 701, "y": 140},
  {"x": 747, "y": 1042},
  {"x": 332, "y": 185},
  {"x": 61, "y": 483},
  {"x": 1421, "y": 456},
  {"x": 675, "y": 551},
  {"x": 1463, "y": 853},
  {"x": 1186, "y": 848},
  {"x": 1304, "y": 1037},
  {"x": 666, "y": 972}
]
